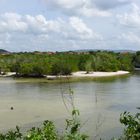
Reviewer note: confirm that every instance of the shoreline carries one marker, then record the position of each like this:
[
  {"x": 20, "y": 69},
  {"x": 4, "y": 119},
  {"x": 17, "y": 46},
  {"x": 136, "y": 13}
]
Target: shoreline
[
  {"x": 99, "y": 74},
  {"x": 77, "y": 74},
  {"x": 84, "y": 74}
]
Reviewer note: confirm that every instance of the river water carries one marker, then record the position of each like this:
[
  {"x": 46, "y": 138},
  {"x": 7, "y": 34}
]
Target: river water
[{"x": 100, "y": 103}]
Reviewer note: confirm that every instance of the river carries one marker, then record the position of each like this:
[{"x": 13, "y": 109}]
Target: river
[{"x": 100, "y": 103}]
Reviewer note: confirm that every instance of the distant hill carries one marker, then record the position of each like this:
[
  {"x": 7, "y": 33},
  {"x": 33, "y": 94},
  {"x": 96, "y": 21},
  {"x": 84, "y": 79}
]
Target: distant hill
[
  {"x": 2, "y": 51},
  {"x": 95, "y": 50}
]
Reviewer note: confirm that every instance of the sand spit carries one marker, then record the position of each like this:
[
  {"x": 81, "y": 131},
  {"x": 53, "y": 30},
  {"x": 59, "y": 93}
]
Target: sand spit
[{"x": 98, "y": 74}]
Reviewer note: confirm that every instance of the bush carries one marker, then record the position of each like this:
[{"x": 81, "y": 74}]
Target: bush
[
  {"x": 132, "y": 126},
  {"x": 59, "y": 68},
  {"x": 73, "y": 128},
  {"x": 46, "y": 132},
  {"x": 66, "y": 69}
]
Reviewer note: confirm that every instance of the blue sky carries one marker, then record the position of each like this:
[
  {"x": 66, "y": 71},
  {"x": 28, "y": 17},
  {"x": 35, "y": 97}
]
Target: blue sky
[{"x": 58, "y": 25}]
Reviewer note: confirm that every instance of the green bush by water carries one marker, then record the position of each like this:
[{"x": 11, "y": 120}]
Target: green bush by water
[{"x": 72, "y": 132}]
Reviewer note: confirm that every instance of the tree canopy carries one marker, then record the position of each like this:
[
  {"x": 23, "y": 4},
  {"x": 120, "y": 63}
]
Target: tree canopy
[{"x": 34, "y": 64}]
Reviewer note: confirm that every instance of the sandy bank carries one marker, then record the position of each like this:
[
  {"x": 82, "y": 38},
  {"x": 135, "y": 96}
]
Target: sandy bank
[
  {"x": 91, "y": 74},
  {"x": 79, "y": 74},
  {"x": 8, "y": 74},
  {"x": 98, "y": 74}
]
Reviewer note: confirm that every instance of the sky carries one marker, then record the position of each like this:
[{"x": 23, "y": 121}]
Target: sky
[{"x": 63, "y": 25}]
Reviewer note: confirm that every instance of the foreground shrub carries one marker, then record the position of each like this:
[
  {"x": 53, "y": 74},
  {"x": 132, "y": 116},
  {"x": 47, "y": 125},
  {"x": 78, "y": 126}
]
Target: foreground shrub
[
  {"x": 132, "y": 126},
  {"x": 46, "y": 132},
  {"x": 12, "y": 135},
  {"x": 73, "y": 128},
  {"x": 72, "y": 132}
]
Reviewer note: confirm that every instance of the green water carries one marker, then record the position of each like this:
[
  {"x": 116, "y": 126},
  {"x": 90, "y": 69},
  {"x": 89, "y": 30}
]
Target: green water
[{"x": 99, "y": 101}]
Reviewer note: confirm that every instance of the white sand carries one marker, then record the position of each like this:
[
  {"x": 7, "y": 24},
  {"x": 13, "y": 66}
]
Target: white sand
[
  {"x": 8, "y": 74},
  {"x": 91, "y": 74},
  {"x": 80, "y": 74},
  {"x": 98, "y": 74}
]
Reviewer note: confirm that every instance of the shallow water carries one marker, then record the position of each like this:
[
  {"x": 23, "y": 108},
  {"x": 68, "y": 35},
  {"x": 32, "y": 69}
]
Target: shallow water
[{"x": 100, "y": 103}]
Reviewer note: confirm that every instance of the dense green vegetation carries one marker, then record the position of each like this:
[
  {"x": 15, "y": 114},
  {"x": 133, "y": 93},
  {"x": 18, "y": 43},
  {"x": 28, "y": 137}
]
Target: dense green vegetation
[
  {"x": 132, "y": 126},
  {"x": 72, "y": 131},
  {"x": 39, "y": 64},
  {"x": 136, "y": 60},
  {"x": 48, "y": 131}
]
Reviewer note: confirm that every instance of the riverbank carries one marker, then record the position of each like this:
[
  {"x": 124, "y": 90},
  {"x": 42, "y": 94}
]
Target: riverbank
[
  {"x": 79, "y": 74},
  {"x": 83, "y": 74},
  {"x": 98, "y": 74}
]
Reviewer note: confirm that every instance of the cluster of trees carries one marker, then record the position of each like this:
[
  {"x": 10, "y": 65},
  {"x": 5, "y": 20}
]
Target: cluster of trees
[
  {"x": 136, "y": 60},
  {"x": 31, "y": 64}
]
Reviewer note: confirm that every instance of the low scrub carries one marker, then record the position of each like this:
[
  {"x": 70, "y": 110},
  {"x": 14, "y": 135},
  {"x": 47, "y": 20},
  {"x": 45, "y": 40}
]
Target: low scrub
[{"x": 72, "y": 132}]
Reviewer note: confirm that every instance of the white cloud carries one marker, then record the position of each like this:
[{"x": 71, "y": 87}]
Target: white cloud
[
  {"x": 88, "y": 8},
  {"x": 29, "y": 31},
  {"x": 12, "y": 22},
  {"x": 110, "y": 4},
  {"x": 130, "y": 38},
  {"x": 39, "y": 24},
  {"x": 131, "y": 18},
  {"x": 92, "y": 12},
  {"x": 67, "y": 4},
  {"x": 11, "y": 16},
  {"x": 79, "y": 26},
  {"x": 77, "y": 7},
  {"x": 81, "y": 29}
]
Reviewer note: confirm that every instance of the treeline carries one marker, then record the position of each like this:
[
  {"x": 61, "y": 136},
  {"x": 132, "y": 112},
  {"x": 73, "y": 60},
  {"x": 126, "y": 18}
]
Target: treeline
[{"x": 32, "y": 64}]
